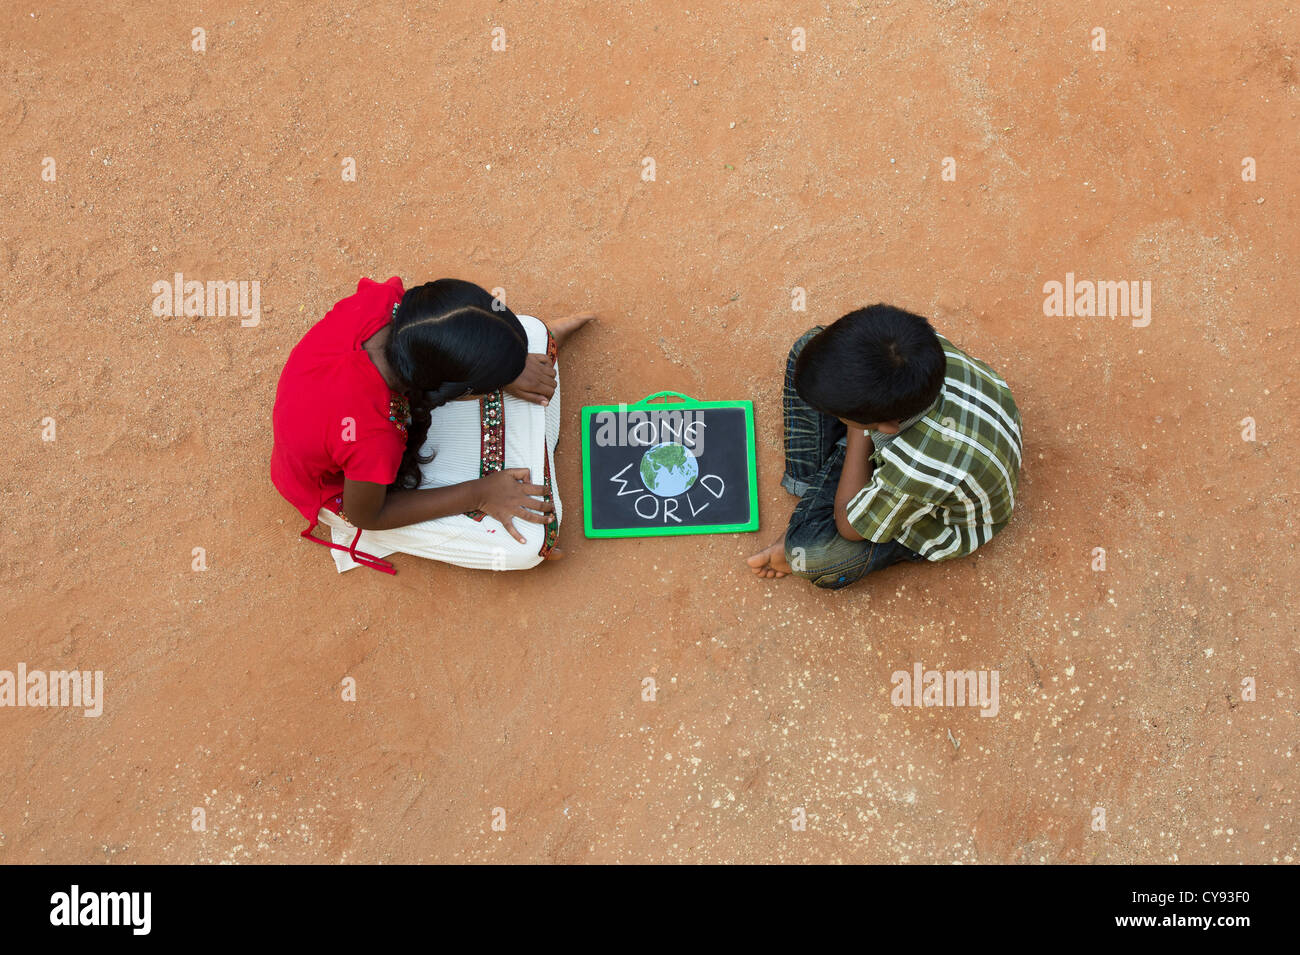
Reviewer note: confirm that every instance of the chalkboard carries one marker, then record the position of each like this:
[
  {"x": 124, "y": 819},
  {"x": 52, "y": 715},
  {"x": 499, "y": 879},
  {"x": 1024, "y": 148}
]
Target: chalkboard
[{"x": 669, "y": 467}]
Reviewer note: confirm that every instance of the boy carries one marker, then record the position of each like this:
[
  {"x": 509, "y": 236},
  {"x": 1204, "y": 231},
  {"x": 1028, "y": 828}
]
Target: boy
[{"x": 899, "y": 445}]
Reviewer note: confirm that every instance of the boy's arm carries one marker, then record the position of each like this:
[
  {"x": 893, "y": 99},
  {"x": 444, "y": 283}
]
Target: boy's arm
[{"x": 853, "y": 478}]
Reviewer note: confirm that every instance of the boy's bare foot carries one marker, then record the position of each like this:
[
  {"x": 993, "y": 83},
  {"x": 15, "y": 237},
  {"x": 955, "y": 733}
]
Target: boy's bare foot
[
  {"x": 562, "y": 328},
  {"x": 555, "y": 553},
  {"x": 770, "y": 563}
]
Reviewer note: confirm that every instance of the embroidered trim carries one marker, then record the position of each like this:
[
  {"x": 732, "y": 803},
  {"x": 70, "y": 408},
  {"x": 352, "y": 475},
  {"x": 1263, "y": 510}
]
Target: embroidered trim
[
  {"x": 492, "y": 451},
  {"x": 338, "y": 508},
  {"x": 553, "y": 525},
  {"x": 492, "y": 443},
  {"x": 552, "y": 348},
  {"x": 399, "y": 411},
  {"x": 492, "y": 418}
]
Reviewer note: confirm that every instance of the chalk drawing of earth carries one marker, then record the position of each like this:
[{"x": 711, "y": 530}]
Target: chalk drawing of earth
[{"x": 669, "y": 469}]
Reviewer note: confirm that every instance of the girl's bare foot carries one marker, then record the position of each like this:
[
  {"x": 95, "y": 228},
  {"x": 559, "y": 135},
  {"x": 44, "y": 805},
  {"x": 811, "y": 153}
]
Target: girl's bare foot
[
  {"x": 554, "y": 554},
  {"x": 770, "y": 563},
  {"x": 562, "y": 328}
]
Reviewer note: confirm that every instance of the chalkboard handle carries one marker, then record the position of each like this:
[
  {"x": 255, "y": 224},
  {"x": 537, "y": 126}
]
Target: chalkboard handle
[{"x": 660, "y": 394}]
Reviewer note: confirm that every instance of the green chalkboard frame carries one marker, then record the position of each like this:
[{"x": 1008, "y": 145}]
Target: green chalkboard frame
[{"x": 651, "y": 402}]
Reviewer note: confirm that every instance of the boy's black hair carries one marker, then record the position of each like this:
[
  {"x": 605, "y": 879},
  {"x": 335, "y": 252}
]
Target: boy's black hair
[{"x": 875, "y": 364}]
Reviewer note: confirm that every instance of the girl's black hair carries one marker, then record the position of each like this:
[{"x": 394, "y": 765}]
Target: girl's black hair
[
  {"x": 449, "y": 339},
  {"x": 875, "y": 364}
]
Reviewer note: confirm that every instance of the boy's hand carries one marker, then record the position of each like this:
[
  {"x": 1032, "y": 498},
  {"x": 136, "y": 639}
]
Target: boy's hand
[{"x": 536, "y": 383}]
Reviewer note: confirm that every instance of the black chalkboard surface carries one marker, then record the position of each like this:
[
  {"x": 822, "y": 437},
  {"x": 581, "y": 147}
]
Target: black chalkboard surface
[{"x": 657, "y": 467}]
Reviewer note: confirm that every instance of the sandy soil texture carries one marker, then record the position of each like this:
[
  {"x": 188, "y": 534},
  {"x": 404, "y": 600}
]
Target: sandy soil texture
[{"x": 1123, "y": 689}]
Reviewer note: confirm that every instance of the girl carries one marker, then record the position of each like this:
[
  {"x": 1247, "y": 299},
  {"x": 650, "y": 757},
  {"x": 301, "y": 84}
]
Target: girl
[{"x": 424, "y": 421}]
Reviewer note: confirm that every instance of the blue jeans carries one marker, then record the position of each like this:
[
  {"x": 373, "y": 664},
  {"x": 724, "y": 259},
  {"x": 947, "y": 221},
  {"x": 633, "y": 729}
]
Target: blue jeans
[{"x": 814, "y": 458}]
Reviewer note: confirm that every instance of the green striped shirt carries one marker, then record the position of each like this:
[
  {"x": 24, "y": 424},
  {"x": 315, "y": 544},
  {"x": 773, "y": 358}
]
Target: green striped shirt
[{"x": 946, "y": 483}]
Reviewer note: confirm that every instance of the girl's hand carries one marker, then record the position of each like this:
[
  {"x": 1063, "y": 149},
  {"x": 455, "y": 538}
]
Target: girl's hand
[
  {"x": 507, "y": 496},
  {"x": 537, "y": 383}
]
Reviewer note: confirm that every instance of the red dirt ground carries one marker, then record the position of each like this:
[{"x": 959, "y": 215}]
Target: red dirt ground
[{"x": 775, "y": 168}]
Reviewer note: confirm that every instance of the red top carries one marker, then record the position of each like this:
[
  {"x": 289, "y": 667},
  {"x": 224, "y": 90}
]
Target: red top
[{"x": 332, "y": 406}]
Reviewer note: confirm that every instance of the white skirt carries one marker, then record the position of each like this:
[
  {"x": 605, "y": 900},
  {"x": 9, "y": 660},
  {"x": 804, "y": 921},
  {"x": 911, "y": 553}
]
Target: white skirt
[{"x": 456, "y": 440}]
